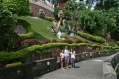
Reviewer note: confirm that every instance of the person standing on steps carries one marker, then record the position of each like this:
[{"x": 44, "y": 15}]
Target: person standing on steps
[
  {"x": 66, "y": 54},
  {"x": 73, "y": 57},
  {"x": 62, "y": 59}
]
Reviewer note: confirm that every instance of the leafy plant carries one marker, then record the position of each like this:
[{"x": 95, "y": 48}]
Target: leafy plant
[
  {"x": 29, "y": 42},
  {"x": 41, "y": 15},
  {"x": 69, "y": 41},
  {"x": 7, "y": 24},
  {"x": 27, "y": 26},
  {"x": 67, "y": 13},
  {"x": 19, "y": 7},
  {"x": 118, "y": 43},
  {"x": 77, "y": 40},
  {"x": 49, "y": 18},
  {"x": 91, "y": 37}
]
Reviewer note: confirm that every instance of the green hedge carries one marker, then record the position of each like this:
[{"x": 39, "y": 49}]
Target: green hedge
[
  {"x": 40, "y": 49},
  {"x": 91, "y": 37},
  {"x": 118, "y": 43},
  {"x": 27, "y": 26}
]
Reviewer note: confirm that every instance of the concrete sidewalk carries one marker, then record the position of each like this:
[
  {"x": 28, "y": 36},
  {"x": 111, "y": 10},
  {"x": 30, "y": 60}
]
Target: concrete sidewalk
[{"x": 88, "y": 69}]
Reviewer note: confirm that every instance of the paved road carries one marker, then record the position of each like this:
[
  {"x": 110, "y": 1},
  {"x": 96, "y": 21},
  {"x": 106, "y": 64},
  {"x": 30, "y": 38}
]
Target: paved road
[{"x": 88, "y": 69}]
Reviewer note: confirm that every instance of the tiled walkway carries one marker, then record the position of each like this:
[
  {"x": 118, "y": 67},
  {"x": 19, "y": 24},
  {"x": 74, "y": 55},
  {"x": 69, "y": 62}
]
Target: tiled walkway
[{"x": 88, "y": 69}]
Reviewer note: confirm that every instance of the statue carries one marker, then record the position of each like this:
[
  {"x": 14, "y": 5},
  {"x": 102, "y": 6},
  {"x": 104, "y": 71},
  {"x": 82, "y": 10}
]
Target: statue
[{"x": 63, "y": 26}]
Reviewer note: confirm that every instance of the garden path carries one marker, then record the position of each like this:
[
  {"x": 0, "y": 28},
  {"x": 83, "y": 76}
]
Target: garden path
[{"x": 88, "y": 69}]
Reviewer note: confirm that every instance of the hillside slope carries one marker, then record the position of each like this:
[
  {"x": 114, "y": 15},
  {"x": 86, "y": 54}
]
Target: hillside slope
[{"x": 41, "y": 28}]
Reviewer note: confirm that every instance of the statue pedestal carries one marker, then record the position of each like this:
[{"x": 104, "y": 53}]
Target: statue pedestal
[{"x": 59, "y": 34}]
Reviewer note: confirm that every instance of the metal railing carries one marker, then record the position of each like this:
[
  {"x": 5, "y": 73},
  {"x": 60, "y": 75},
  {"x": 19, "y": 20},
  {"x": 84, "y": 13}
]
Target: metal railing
[{"x": 42, "y": 4}]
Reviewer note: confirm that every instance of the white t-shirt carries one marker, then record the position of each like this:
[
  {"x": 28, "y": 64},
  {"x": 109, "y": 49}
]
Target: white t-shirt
[
  {"x": 66, "y": 53},
  {"x": 62, "y": 55},
  {"x": 72, "y": 54}
]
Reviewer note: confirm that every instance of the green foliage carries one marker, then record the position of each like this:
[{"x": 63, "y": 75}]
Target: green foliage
[
  {"x": 75, "y": 7},
  {"x": 41, "y": 15},
  {"x": 29, "y": 42},
  {"x": 19, "y": 7},
  {"x": 67, "y": 13},
  {"x": 11, "y": 56},
  {"x": 49, "y": 18},
  {"x": 91, "y": 21},
  {"x": 65, "y": 35},
  {"x": 71, "y": 23},
  {"x": 103, "y": 4},
  {"x": 40, "y": 28},
  {"x": 91, "y": 37},
  {"x": 27, "y": 26},
  {"x": 31, "y": 10},
  {"x": 95, "y": 21},
  {"x": 40, "y": 49},
  {"x": 117, "y": 43},
  {"x": 7, "y": 24},
  {"x": 1, "y": 1},
  {"x": 113, "y": 22}
]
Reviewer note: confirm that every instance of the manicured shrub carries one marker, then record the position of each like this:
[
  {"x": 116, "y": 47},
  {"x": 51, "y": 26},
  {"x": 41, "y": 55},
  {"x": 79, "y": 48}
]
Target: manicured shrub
[
  {"x": 77, "y": 40},
  {"x": 118, "y": 43},
  {"x": 85, "y": 41},
  {"x": 46, "y": 41},
  {"x": 28, "y": 27},
  {"x": 29, "y": 42},
  {"x": 54, "y": 41},
  {"x": 91, "y": 37},
  {"x": 67, "y": 41},
  {"x": 49, "y": 18},
  {"x": 41, "y": 15}
]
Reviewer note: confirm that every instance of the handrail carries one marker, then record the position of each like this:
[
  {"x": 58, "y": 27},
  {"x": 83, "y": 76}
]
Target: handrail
[{"x": 43, "y": 4}]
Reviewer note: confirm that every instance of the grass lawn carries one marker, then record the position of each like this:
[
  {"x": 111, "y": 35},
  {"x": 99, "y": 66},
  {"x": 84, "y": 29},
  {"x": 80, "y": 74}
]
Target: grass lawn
[{"x": 41, "y": 28}]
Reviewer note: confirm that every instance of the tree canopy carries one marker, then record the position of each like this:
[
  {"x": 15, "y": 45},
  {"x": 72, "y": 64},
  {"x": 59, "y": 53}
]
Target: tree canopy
[
  {"x": 19, "y": 7},
  {"x": 7, "y": 25}
]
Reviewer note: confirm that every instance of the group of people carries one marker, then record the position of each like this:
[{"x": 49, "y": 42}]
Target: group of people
[{"x": 67, "y": 55}]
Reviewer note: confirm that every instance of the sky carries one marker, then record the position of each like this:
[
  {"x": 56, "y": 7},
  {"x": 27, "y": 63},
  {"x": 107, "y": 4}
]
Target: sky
[
  {"x": 84, "y": 2},
  {"x": 78, "y": 0}
]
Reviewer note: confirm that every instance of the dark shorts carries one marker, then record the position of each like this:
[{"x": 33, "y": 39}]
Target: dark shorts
[{"x": 62, "y": 59}]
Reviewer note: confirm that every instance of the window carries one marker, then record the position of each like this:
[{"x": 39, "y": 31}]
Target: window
[{"x": 41, "y": 10}]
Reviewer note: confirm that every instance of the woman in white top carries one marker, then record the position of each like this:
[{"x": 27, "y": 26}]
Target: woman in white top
[
  {"x": 73, "y": 57},
  {"x": 62, "y": 59}
]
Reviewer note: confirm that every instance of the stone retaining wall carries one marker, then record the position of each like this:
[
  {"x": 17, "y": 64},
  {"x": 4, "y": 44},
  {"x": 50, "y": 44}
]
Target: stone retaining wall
[
  {"x": 109, "y": 66},
  {"x": 42, "y": 66}
]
